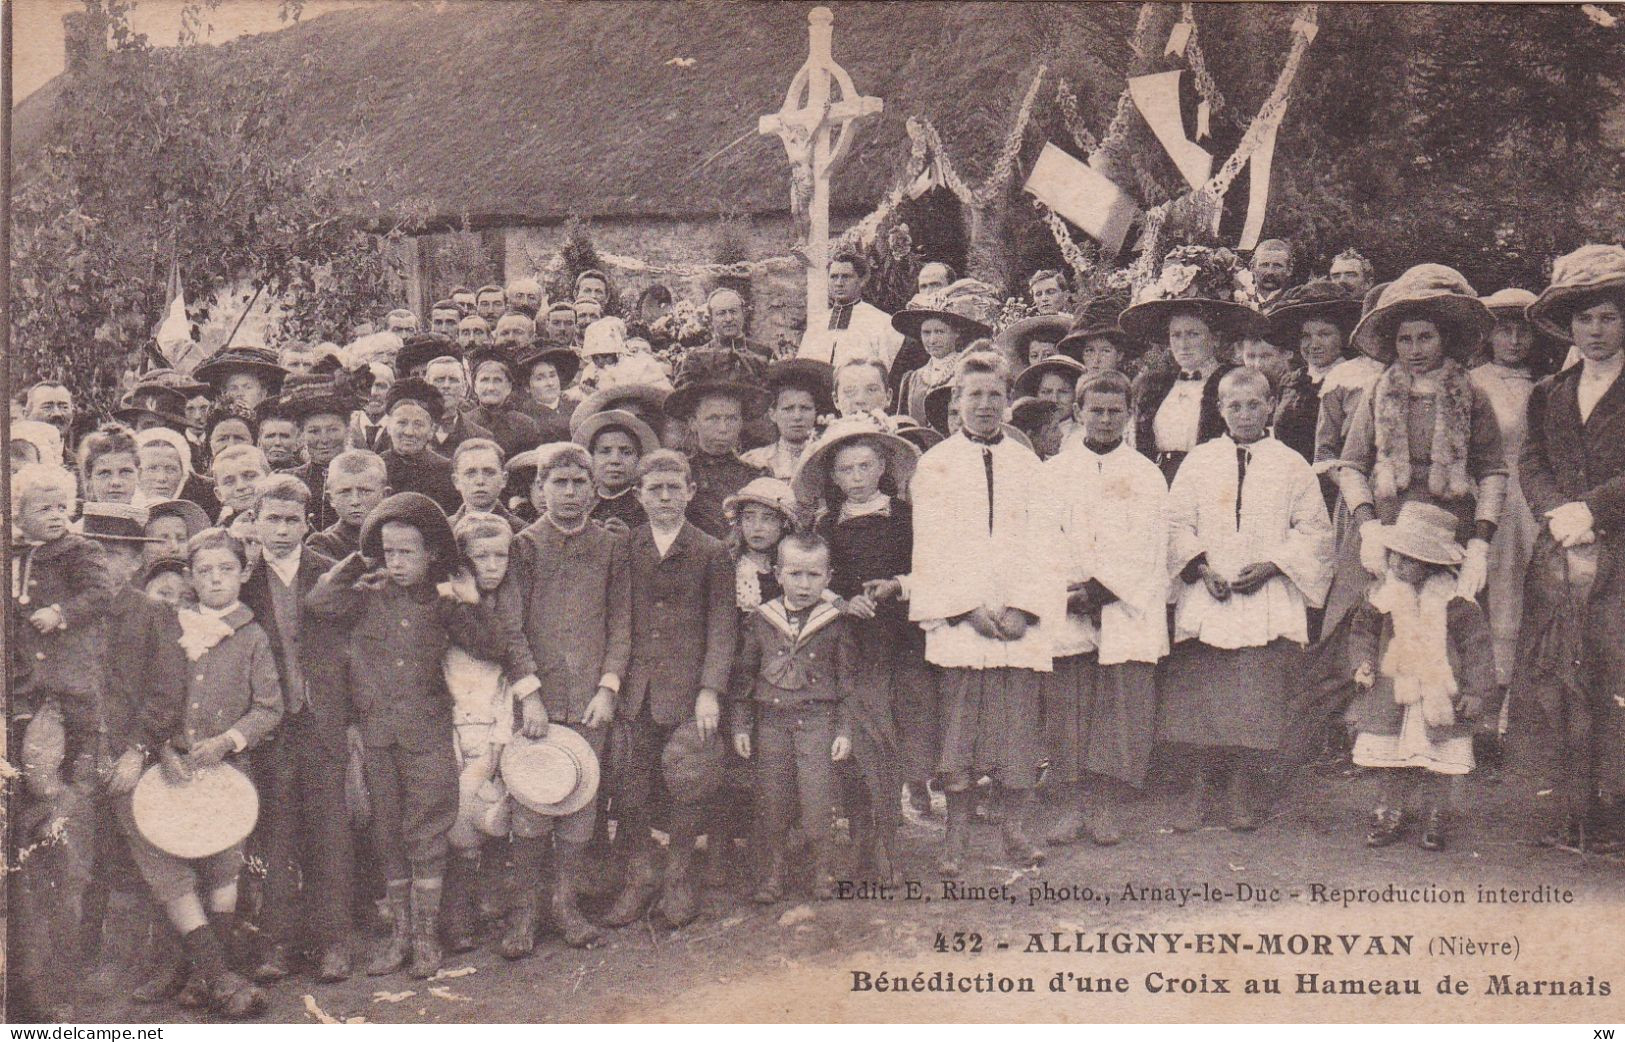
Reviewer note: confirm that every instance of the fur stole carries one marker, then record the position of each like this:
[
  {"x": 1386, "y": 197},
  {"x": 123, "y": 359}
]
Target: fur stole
[
  {"x": 1452, "y": 419},
  {"x": 1417, "y": 659}
]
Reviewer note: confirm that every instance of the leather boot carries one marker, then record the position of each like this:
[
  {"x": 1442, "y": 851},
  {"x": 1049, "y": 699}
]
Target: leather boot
[
  {"x": 956, "y": 841},
  {"x": 1387, "y": 826},
  {"x": 568, "y": 861},
  {"x": 527, "y": 855},
  {"x": 392, "y": 956},
  {"x": 678, "y": 904},
  {"x": 1433, "y": 829},
  {"x": 1242, "y": 793},
  {"x": 425, "y": 929},
  {"x": 1012, "y": 828},
  {"x": 230, "y": 995},
  {"x": 823, "y": 879},
  {"x": 457, "y": 920},
  {"x": 164, "y": 953},
  {"x": 1193, "y": 812},
  {"x": 771, "y": 889},
  {"x": 642, "y": 883}
]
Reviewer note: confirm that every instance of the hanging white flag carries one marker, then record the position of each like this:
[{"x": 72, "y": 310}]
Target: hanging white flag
[
  {"x": 1084, "y": 196},
  {"x": 174, "y": 333},
  {"x": 1157, "y": 98}
]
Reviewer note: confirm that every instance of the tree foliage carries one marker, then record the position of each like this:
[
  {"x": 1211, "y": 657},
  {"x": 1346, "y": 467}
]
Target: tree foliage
[{"x": 152, "y": 159}]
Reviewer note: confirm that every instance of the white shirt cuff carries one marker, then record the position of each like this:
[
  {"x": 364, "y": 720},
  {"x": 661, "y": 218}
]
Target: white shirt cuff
[
  {"x": 238, "y": 742},
  {"x": 525, "y": 686},
  {"x": 611, "y": 681}
]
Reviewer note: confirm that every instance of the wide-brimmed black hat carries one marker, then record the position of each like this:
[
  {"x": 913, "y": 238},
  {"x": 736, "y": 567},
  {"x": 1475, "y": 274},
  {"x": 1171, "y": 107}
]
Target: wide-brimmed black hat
[
  {"x": 1320, "y": 299},
  {"x": 421, "y": 349},
  {"x": 705, "y": 379},
  {"x": 261, "y": 361},
  {"x": 1192, "y": 280},
  {"x": 806, "y": 374},
  {"x": 337, "y": 393},
  {"x": 1016, "y": 339},
  {"x": 1027, "y": 383},
  {"x": 1098, "y": 318},
  {"x": 167, "y": 377},
  {"x": 563, "y": 359},
  {"x": 415, "y": 389},
  {"x": 494, "y": 353},
  {"x": 417, "y": 510},
  {"x": 150, "y": 399},
  {"x": 650, "y": 396},
  {"x": 938, "y": 400}
]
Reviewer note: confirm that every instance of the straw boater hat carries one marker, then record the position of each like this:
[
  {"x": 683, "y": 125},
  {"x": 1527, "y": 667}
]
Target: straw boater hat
[
  {"x": 417, "y": 510},
  {"x": 768, "y": 492},
  {"x": 260, "y": 361},
  {"x": 555, "y": 775},
  {"x": 691, "y": 764},
  {"x": 1027, "y": 383},
  {"x": 615, "y": 419},
  {"x": 1098, "y": 318},
  {"x": 1194, "y": 280},
  {"x": 1430, "y": 291},
  {"x": 963, "y": 321},
  {"x": 1423, "y": 531},
  {"x": 698, "y": 382},
  {"x": 115, "y": 523},
  {"x": 651, "y": 396},
  {"x": 1320, "y": 299},
  {"x": 562, "y": 359},
  {"x": 808, "y": 374},
  {"x": 812, "y": 473},
  {"x": 1508, "y": 303},
  {"x": 149, "y": 399},
  {"x": 1591, "y": 273},
  {"x": 213, "y": 811},
  {"x": 1016, "y": 339}
]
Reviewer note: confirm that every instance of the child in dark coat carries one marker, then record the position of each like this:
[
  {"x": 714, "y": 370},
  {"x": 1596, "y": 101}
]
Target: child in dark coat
[
  {"x": 796, "y": 674},
  {"x": 403, "y": 619},
  {"x": 1423, "y": 661}
]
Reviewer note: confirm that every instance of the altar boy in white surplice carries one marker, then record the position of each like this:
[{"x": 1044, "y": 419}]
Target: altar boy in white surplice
[
  {"x": 1249, "y": 548},
  {"x": 986, "y": 590},
  {"x": 1100, "y": 702}
]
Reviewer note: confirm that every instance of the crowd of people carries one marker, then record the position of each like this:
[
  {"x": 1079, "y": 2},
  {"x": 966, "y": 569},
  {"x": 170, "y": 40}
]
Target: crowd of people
[{"x": 620, "y": 610}]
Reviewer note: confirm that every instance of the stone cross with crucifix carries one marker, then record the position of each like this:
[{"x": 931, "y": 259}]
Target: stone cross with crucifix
[{"x": 810, "y": 111}]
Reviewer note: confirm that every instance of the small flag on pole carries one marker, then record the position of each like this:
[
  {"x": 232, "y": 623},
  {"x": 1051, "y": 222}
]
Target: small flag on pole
[
  {"x": 1084, "y": 196},
  {"x": 174, "y": 332}
]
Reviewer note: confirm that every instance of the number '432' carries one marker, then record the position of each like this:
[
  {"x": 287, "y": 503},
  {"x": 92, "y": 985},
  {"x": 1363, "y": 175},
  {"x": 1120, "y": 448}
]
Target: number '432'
[{"x": 959, "y": 941}]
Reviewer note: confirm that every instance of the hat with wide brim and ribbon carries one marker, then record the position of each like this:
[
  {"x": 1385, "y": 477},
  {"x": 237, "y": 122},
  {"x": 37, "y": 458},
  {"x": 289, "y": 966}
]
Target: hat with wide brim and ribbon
[
  {"x": 693, "y": 389},
  {"x": 167, "y": 377},
  {"x": 1317, "y": 299},
  {"x": 805, "y": 374},
  {"x": 190, "y": 514},
  {"x": 212, "y": 812},
  {"x": 910, "y": 319},
  {"x": 564, "y": 361},
  {"x": 651, "y": 397},
  {"x": 772, "y": 493},
  {"x": 1016, "y": 339},
  {"x": 497, "y": 354},
  {"x": 813, "y": 472},
  {"x": 691, "y": 763},
  {"x": 555, "y": 775},
  {"x": 110, "y": 522},
  {"x": 1031, "y": 377},
  {"x": 260, "y": 361},
  {"x": 417, "y": 510},
  {"x": 337, "y": 392},
  {"x": 1098, "y": 319},
  {"x": 1432, "y": 292},
  {"x": 1148, "y": 320},
  {"x": 1580, "y": 279},
  {"x": 1423, "y": 531},
  {"x": 165, "y": 404},
  {"x": 616, "y": 420},
  {"x": 422, "y": 348}
]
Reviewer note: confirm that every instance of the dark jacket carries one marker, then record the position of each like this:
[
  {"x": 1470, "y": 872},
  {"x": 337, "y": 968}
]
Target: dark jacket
[
  {"x": 509, "y": 427},
  {"x": 1374, "y": 710},
  {"x": 337, "y": 541},
  {"x": 1150, "y": 390},
  {"x": 684, "y": 625},
  {"x": 233, "y": 686},
  {"x": 397, "y": 639},
  {"x": 321, "y": 659},
  {"x": 573, "y": 599},
  {"x": 462, "y": 429},
  {"x": 625, "y": 506},
  {"x": 783, "y": 667},
  {"x": 319, "y": 513},
  {"x": 70, "y": 573},
  {"x": 145, "y": 672},
  {"x": 1297, "y": 410},
  {"x": 715, "y": 479},
  {"x": 428, "y": 473}
]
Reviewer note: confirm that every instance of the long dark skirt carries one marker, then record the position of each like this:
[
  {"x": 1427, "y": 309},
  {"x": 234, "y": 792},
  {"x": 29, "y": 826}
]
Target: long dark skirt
[
  {"x": 992, "y": 725},
  {"x": 1216, "y": 697},
  {"x": 1099, "y": 719}
]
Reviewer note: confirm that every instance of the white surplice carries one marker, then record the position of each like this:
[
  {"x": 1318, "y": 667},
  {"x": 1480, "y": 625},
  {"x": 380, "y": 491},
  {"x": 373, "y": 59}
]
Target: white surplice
[
  {"x": 1283, "y": 521},
  {"x": 1114, "y": 529},
  {"x": 868, "y": 334},
  {"x": 961, "y": 564}
]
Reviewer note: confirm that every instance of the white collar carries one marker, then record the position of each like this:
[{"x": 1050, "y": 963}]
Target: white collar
[
  {"x": 218, "y": 613},
  {"x": 287, "y": 568},
  {"x": 881, "y": 504}
]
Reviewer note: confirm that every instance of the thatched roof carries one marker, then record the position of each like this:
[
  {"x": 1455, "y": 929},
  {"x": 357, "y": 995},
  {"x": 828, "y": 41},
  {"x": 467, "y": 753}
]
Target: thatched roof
[{"x": 515, "y": 113}]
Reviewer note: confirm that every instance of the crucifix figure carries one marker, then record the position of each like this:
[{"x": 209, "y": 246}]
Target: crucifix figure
[{"x": 810, "y": 111}]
